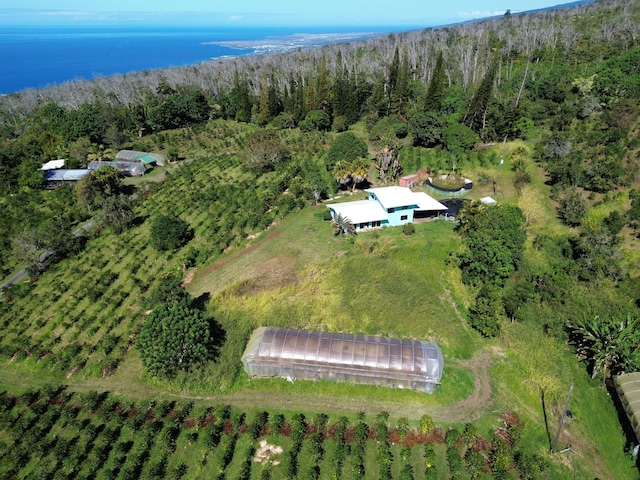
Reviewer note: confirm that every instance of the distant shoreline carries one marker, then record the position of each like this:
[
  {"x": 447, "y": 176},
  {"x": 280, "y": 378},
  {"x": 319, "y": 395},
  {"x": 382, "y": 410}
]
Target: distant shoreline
[{"x": 46, "y": 56}]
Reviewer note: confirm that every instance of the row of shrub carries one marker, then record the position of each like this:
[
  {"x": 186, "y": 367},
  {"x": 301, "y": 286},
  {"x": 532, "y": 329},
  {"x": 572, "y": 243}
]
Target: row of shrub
[{"x": 53, "y": 432}]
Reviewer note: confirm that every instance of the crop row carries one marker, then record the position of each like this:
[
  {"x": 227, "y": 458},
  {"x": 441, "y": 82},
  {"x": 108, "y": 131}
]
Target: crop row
[{"x": 51, "y": 432}]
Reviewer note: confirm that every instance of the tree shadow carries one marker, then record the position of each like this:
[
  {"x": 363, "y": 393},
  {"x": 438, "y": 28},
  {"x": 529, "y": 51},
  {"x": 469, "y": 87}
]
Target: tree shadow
[
  {"x": 128, "y": 190},
  {"x": 201, "y": 301},
  {"x": 139, "y": 220},
  {"x": 218, "y": 337},
  {"x": 218, "y": 333}
]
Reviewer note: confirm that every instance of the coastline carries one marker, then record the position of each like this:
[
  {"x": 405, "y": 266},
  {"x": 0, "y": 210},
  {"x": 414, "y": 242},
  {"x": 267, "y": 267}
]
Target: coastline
[{"x": 53, "y": 55}]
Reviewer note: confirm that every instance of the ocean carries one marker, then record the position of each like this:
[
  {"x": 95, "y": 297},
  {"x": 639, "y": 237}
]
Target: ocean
[{"x": 36, "y": 57}]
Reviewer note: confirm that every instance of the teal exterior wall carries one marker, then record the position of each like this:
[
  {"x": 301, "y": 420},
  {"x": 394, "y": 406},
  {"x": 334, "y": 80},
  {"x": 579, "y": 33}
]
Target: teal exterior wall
[{"x": 399, "y": 215}]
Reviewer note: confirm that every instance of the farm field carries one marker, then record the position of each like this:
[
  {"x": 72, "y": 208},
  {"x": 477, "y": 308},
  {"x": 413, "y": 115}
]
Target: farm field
[{"x": 71, "y": 373}]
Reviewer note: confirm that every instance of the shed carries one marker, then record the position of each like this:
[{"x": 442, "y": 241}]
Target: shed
[
  {"x": 144, "y": 157},
  {"x": 53, "y": 164},
  {"x": 414, "y": 179},
  {"x": 488, "y": 201},
  {"x": 364, "y": 359}
]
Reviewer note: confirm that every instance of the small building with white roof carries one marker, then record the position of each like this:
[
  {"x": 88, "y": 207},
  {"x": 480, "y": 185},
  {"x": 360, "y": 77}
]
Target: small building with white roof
[
  {"x": 53, "y": 164},
  {"x": 387, "y": 207}
]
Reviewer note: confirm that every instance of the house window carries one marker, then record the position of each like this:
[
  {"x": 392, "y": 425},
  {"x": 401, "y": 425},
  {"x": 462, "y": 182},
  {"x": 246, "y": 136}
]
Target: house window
[
  {"x": 391, "y": 210},
  {"x": 404, "y": 217},
  {"x": 376, "y": 223}
]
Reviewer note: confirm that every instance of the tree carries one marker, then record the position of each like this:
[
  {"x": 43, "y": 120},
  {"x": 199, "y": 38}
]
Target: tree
[
  {"x": 34, "y": 246},
  {"x": 168, "y": 290},
  {"x": 426, "y": 129},
  {"x": 264, "y": 151},
  {"x": 483, "y": 316},
  {"x": 353, "y": 172},
  {"x": 597, "y": 255},
  {"x": 347, "y": 147},
  {"x": 78, "y": 152},
  {"x": 316, "y": 184},
  {"x": 476, "y": 114},
  {"x": 342, "y": 225},
  {"x": 458, "y": 138},
  {"x": 388, "y": 164},
  {"x": 174, "y": 337},
  {"x": 610, "y": 345},
  {"x": 495, "y": 238},
  {"x": 87, "y": 191},
  {"x": 107, "y": 180},
  {"x": 29, "y": 247},
  {"x": 169, "y": 232},
  {"x": 435, "y": 91},
  {"x": 240, "y": 99},
  {"x": 572, "y": 208},
  {"x": 316, "y": 120},
  {"x": 117, "y": 212}
]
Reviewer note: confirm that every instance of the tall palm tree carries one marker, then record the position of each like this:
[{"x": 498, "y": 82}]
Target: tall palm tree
[
  {"x": 342, "y": 225},
  {"x": 359, "y": 171},
  {"x": 342, "y": 173}
]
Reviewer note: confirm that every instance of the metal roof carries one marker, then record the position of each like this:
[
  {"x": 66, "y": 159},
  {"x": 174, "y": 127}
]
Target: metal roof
[
  {"x": 361, "y": 211},
  {"x": 53, "y": 164},
  {"x": 62, "y": 175},
  {"x": 425, "y": 202},
  {"x": 133, "y": 155},
  {"x": 392, "y": 197}
]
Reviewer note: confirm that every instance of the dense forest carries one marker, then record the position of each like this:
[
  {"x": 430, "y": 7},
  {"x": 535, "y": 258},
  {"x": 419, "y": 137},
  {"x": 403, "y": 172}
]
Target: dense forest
[{"x": 552, "y": 98}]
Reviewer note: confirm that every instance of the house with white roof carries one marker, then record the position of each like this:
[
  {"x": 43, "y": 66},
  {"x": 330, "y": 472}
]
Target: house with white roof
[{"x": 387, "y": 207}]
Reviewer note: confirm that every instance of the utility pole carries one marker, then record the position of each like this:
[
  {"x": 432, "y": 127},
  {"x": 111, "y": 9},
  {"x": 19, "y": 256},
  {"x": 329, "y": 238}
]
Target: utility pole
[{"x": 562, "y": 419}]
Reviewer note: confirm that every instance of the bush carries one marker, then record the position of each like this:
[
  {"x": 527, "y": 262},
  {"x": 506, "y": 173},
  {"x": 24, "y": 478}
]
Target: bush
[
  {"x": 408, "y": 229},
  {"x": 572, "y": 208}
]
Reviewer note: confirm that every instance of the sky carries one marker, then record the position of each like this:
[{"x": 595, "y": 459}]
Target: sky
[{"x": 251, "y": 13}]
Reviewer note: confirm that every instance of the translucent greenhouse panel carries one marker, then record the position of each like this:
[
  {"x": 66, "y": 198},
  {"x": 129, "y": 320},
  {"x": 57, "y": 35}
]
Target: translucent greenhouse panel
[{"x": 343, "y": 357}]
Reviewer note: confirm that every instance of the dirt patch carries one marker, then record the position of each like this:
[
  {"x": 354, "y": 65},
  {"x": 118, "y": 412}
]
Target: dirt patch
[
  {"x": 189, "y": 277},
  {"x": 249, "y": 248},
  {"x": 265, "y": 453},
  {"x": 270, "y": 275},
  {"x": 75, "y": 370}
]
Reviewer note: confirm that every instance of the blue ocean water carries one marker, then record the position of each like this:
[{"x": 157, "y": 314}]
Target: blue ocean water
[{"x": 34, "y": 57}]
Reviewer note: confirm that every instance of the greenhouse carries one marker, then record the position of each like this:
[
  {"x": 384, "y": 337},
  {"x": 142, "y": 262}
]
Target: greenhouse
[
  {"x": 341, "y": 357},
  {"x": 628, "y": 388}
]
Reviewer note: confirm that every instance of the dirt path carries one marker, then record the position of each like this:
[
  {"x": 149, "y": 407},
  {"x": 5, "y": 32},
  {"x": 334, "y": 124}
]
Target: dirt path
[
  {"x": 466, "y": 410},
  {"x": 476, "y": 404}
]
